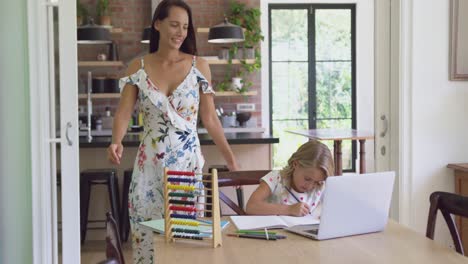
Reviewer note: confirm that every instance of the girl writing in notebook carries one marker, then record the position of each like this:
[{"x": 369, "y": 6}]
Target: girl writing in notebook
[{"x": 295, "y": 190}]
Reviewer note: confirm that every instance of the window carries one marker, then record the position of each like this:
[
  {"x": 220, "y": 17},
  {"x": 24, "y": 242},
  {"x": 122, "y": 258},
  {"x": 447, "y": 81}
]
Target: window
[{"x": 312, "y": 74}]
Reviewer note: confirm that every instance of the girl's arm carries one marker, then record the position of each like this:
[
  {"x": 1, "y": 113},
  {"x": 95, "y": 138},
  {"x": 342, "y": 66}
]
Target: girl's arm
[
  {"x": 122, "y": 116},
  {"x": 211, "y": 121},
  {"x": 258, "y": 205}
]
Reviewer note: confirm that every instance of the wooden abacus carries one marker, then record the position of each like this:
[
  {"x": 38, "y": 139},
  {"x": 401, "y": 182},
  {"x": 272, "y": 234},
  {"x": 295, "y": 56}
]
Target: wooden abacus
[{"x": 180, "y": 206}]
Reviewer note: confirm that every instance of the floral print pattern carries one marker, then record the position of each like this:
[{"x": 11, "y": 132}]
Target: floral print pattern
[{"x": 170, "y": 140}]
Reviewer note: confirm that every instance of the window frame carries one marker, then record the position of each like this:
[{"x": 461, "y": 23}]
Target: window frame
[{"x": 312, "y": 7}]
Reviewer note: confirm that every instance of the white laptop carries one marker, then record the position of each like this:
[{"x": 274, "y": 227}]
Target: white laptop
[{"x": 352, "y": 205}]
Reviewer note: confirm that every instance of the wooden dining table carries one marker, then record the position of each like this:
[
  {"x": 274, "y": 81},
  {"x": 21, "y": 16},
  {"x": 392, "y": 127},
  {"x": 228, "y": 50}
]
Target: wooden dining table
[
  {"x": 338, "y": 135},
  {"x": 396, "y": 244}
]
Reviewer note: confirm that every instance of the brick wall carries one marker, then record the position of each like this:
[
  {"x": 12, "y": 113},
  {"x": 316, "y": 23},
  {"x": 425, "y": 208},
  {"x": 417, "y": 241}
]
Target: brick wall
[{"x": 134, "y": 15}]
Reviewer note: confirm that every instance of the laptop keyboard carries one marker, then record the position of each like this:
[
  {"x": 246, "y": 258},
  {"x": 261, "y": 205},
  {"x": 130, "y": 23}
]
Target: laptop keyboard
[{"x": 312, "y": 231}]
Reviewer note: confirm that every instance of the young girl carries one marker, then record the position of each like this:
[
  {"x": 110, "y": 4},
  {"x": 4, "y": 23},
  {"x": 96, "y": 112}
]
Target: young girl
[{"x": 296, "y": 190}]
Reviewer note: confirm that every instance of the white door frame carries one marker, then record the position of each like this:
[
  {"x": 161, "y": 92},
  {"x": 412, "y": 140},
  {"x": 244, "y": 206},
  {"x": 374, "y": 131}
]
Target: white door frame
[
  {"x": 382, "y": 84},
  {"x": 40, "y": 150},
  {"x": 386, "y": 94},
  {"x": 400, "y": 112},
  {"x": 403, "y": 91},
  {"x": 43, "y": 140}
]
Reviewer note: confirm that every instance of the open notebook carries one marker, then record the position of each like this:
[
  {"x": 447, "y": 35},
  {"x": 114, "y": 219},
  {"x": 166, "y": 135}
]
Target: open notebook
[
  {"x": 158, "y": 226},
  {"x": 252, "y": 222}
]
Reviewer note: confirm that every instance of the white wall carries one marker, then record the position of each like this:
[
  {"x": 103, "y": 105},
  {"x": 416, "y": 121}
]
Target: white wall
[{"x": 438, "y": 112}]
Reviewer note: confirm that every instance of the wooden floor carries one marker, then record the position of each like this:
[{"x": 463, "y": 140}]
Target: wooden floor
[{"x": 94, "y": 251}]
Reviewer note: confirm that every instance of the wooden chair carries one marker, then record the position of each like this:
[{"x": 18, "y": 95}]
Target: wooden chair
[
  {"x": 109, "y": 261},
  {"x": 448, "y": 204},
  {"x": 238, "y": 179},
  {"x": 113, "y": 242}
]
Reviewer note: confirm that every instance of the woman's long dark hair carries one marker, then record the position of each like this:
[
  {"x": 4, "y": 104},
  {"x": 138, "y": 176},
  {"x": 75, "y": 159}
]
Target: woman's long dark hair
[{"x": 162, "y": 11}]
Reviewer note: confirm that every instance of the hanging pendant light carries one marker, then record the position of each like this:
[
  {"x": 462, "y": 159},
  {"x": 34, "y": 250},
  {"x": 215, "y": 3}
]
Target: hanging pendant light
[
  {"x": 145, "y": 38},
  {"x": 93, "y": 34},
  {"x": 225, "y": 33}
]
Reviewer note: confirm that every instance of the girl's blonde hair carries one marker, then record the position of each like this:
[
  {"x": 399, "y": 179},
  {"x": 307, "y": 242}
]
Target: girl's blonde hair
[{"x": 312, "y": 154}]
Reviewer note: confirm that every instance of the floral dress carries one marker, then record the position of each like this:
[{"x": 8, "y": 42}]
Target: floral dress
[{"x": 170, "y": 140}]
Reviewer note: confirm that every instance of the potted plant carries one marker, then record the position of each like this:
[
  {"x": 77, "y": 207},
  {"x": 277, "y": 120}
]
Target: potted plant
[
  {"x": 103, "y": 13},
  {"x": 81, "y": 13},
  {"x": 249, "y": 19}
]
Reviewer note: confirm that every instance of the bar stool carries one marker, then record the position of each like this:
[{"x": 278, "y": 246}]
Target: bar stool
[
  {"x": 58, "y": 182},
  {"x": 124, "y": 217},
  {"x": 97, "y": 177}
]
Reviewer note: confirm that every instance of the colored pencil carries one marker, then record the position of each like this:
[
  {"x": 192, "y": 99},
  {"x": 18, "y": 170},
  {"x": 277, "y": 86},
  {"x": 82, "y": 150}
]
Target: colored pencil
[
  {"x": 292, "y": 194},
  {"x": 253, "y": 236},
  {"x": 258, "y": 236},
  {"x": 295, "y": 197},
  {"x": 254, "y": 232}
]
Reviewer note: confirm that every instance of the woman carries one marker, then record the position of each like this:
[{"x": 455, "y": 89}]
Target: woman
[{"x": 172, "y": 86}]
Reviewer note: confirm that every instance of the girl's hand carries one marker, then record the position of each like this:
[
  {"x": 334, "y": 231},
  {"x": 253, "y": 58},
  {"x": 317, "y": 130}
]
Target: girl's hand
[
  {"x": 114, "y": 153},
  {"x": 299, "y": 209}
]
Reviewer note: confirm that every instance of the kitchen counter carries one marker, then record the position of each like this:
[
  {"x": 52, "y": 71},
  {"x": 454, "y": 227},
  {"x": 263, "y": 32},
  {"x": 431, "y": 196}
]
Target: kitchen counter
[{"x": 205, "y": 139}]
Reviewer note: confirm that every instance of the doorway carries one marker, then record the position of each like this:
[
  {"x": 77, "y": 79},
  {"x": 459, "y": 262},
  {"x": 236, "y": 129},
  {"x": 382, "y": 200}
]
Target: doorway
[{"x": 53, "y": 82}]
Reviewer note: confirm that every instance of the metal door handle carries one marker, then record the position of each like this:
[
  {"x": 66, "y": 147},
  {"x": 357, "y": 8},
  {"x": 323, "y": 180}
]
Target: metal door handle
[
  {"x": 385, "y": 123},
  {"x": 69, "y": 125}
]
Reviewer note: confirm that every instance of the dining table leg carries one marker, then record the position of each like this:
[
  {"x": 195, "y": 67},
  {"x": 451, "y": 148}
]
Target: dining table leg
[
  {"x": 338, "y": 157},
  {"x": 335, "y": 148},
  {"x": 362, "y": 156}
]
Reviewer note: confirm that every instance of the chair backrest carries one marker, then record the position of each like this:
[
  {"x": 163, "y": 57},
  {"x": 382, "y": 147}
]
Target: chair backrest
[
  {"x": 238, "y": 179},
  {"x": 448, "y": 204},
  {"x": 109, "y": 261},
  {"x": 113, "y": 242}
]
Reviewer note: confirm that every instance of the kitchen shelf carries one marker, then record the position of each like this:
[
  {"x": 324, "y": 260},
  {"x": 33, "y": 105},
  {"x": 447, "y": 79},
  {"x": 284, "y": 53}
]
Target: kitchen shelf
[
  {"x": 230, "y": 93},
  {"x": 112, "y": 30},
  {"x": 203, "y": 30},
  {"x": 100, "y": 96},
  {"x": 116, "y": 30},
  {"x": 219, "y": 62},
  {"x": 100, "y": 64},
  {"x": 207, "y": 30}
]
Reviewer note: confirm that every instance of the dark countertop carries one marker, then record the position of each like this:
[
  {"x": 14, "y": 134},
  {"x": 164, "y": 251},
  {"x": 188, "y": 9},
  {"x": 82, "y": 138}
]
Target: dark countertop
[{"x": 205, "y": 139}]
